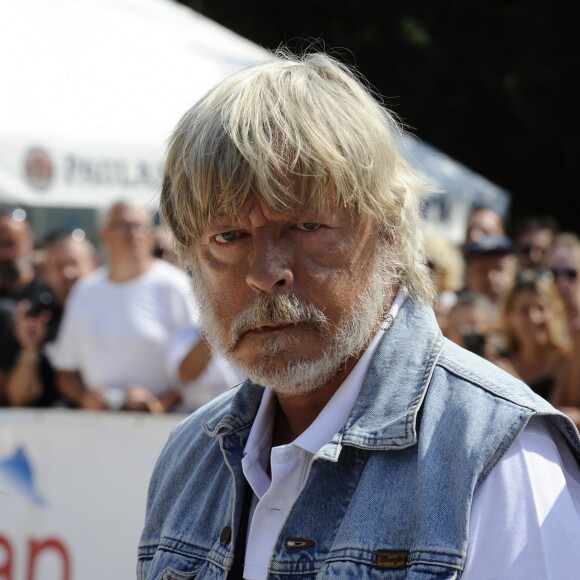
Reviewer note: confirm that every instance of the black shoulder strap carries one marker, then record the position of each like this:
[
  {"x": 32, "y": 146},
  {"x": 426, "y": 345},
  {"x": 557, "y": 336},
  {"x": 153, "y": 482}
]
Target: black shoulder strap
[{"x": 237, "y": 571}]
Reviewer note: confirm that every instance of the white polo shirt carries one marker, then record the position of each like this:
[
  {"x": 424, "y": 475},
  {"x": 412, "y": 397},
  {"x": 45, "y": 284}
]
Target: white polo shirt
[{"x": 525, "y": 520}]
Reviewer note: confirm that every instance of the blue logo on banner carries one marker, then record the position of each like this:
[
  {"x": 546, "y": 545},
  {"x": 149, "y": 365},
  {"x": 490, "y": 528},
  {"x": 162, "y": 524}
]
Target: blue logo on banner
[{"x": 18, "y": 470}]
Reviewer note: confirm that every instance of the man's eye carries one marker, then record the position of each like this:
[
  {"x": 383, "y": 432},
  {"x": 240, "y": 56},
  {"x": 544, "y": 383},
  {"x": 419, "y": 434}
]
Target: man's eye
[
  {"x": 226, "y": 237},
  {"x": 309, "y": 226}
]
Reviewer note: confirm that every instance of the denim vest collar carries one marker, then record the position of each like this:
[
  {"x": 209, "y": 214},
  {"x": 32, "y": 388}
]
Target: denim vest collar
[{"x": 382, "y": 418}]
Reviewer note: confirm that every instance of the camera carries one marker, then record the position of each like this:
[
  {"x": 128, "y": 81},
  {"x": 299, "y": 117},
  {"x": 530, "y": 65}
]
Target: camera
[{"x": 474, "y": 342}]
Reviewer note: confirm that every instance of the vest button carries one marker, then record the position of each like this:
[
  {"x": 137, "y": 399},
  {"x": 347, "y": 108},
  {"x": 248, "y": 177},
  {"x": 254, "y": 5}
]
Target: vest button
[{"x": 226, "y": 535}]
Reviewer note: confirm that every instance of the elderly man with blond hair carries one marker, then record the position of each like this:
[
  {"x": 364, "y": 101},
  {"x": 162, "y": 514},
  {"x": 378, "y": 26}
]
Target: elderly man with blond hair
[{"x": 363, "y": 444}]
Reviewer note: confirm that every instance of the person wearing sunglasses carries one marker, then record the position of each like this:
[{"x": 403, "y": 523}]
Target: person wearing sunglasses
[
  {"x": 563, "y": 262},
  {"x": 538, "y": 350},
  {"x": 534, "y": 238}
]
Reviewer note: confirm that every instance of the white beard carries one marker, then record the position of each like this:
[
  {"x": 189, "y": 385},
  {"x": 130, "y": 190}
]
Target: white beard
[{"x": 352, "y": 334}]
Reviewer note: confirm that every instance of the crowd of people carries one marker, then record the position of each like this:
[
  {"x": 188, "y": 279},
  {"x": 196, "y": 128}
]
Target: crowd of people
[
  {"x": 126, "y": 334},
  {"x": 515, "y": 300},
  {"x": 122, "y": 335}
]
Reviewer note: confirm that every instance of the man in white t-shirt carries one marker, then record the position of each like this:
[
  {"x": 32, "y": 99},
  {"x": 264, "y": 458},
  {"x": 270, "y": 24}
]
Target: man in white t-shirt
[{"x": 113, "y": 345}]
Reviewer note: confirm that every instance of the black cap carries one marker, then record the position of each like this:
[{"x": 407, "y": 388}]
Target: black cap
[{"x": 489, "y": 245}]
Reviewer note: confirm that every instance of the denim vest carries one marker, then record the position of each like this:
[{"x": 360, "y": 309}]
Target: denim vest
[{"x": 389, "y": 497}]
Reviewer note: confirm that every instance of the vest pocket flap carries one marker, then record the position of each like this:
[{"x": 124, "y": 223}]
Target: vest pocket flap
[
  {"x": 178, "y": 568},
  {"x": 170, "y": 574},
  {"x": 369, "y": 571}
]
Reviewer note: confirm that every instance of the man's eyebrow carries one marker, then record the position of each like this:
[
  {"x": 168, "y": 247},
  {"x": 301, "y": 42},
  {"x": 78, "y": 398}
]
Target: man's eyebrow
[
  {"x": 222, "y": 227},
  {"x": 223, "y": 221},
  {"x": 234, "y": 221}
]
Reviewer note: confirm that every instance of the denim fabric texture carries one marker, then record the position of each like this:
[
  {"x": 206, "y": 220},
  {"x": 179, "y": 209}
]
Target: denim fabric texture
[{"x": 389, "y": 497}]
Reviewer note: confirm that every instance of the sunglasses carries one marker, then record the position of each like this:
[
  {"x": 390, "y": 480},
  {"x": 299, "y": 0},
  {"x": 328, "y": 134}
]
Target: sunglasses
[
  {"x": 569, "y": 273},
  {"x": 527, "y": 249}
]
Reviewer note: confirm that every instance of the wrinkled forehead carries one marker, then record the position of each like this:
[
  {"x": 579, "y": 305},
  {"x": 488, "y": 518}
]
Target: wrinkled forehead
[{"x": 291, "y": 207}]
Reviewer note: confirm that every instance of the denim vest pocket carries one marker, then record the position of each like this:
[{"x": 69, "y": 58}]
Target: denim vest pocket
[
  {"x": 178, "y": 569},
  {"x": 170, "y": 574}
]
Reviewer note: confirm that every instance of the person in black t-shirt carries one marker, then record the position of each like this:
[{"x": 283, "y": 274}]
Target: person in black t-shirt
[{"x": 18, "y": 281}]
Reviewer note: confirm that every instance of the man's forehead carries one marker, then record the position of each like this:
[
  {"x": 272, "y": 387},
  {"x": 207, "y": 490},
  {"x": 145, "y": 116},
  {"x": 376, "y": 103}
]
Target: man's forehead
[
  {"x": 128, "y": 212},
  {"x": 288, "y": 209}
]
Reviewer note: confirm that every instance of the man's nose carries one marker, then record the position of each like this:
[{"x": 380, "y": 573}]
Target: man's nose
[{"x": 270, "y": 267}]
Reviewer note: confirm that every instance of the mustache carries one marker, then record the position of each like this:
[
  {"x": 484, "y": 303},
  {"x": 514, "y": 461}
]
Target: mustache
[{"x": 275, "y": 309}]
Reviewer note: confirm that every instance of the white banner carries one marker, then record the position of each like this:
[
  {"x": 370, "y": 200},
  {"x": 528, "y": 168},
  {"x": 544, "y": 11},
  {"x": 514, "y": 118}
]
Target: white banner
[{"x": 73, "y": 489}]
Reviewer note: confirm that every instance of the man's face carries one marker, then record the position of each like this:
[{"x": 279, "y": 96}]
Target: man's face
[
  {"x": 287, "y": 297},
  {"x": 65, "y": 263},
  {"x": 15, "y": 248},
  {"x": 128, "y": 233},
  {"x": 528, "y": 318},
  {"x": 491, "y": 274},
  {"x": 533, "y": 246},
  {"x": 564, "y": 263},
  {"x": 481, "y": 223},
  {"x": 466, "y": 320}
]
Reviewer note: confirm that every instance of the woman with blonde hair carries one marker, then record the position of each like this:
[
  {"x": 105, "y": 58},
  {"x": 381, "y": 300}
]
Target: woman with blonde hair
[
  {"x": 537, "y": 347},
  {"x": 563, "y": 262},
  {"x": 446, "y": 268}
]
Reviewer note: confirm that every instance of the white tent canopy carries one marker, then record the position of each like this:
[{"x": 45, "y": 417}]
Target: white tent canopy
[
  {"x": 457, "y": 190},
  {"x": 93, "y": 88}
]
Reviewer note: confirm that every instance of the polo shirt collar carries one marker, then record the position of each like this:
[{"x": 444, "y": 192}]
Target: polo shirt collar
[{"x": 335, "y": 413}]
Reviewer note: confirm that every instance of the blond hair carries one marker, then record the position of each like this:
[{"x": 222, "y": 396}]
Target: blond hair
[
  {"x": 446, "y": 259},
  {"x": 567, "y": 240},
  {"x": 295, "y": 131},
  {"x": 542, "y": 285}
]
